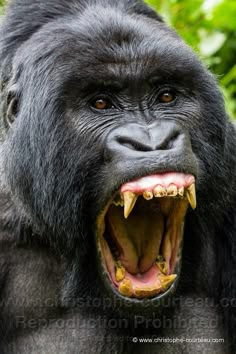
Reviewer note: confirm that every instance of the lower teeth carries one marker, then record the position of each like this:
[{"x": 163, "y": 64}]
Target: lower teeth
[
  {"x": 162, "y": 265},
  {"x": 125, "y": 288},
  {"x": 163, "y": 283},
  {"x": 120, "y": 272}
]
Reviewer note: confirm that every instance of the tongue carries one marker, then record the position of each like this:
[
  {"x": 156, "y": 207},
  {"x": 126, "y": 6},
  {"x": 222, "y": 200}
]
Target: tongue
[
  {"x": 138, "y": 239},
  {"x": 148, "y": 183}
]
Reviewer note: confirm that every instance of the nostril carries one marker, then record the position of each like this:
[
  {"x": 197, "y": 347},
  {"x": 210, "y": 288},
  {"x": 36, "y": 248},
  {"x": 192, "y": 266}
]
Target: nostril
[
  {"x": 133, "y": 144},
  {"x": 170, "y": 144},
  {"x": 167, "y": 143}
]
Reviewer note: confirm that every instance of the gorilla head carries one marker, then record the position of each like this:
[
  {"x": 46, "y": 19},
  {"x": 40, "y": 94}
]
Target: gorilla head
[{"x": 113, "y": 130}]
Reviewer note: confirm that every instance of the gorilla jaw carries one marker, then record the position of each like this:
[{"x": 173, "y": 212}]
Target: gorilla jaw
[{"x": 140, "y": 244}]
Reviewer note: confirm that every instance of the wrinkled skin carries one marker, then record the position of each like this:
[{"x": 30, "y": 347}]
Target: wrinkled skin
[{"x": 58, "y": 169}]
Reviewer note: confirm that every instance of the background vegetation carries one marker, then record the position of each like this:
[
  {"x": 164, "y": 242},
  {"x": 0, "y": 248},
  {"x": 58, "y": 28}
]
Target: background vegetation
[
  {"x": 1, "y": 6},
  {"x": 209, "y": 27}
]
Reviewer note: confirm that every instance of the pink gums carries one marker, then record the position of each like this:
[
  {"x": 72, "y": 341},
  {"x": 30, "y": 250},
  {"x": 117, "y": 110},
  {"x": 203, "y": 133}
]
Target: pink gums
[
  {"x": 148, "y": 183},
  {"x": 145, "y": 280}
]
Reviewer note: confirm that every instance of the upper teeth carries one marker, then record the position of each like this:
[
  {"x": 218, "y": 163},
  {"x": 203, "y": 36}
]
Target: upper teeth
[
  {"x": 159, "y": 191},
  {"x": 128, "y": 199},
  {"x": 172, "y": 191},
  {"x": 181, "y": 191},
  {"x": 191, "y": 195},
  {"x": 147, "y": 195}
]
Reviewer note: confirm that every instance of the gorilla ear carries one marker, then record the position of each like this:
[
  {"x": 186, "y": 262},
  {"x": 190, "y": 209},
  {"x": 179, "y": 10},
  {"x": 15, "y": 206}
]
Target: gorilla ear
[{"x": 12, "y": 108}]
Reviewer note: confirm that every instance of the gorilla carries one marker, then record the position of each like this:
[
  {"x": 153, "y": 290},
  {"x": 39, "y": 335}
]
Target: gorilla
[{"x": 118, "y": 190}]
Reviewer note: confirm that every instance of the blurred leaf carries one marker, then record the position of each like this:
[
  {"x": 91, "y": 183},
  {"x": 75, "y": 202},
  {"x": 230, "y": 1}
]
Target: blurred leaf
[
  {"x": 209, "y": 27},
  {"x": 224, "y": 15},
  {"x": 210, "y": 43}
]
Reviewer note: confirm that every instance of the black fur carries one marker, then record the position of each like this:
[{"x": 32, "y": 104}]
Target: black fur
[{"x": 56, "y": 177}]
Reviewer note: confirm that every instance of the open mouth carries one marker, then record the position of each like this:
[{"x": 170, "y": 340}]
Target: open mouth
[{"x": 140, "y": 233}]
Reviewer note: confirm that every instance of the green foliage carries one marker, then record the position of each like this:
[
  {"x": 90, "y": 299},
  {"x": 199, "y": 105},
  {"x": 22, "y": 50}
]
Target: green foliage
[
  {"x": 2, "y": 2},
  {"x": 209, "y": 27}
]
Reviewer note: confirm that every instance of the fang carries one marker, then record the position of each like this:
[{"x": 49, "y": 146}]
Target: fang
[
  {"x": 130, "y": 199},
  {"x": 167, "y": 280},
  {"x": 191, "y": 195}
]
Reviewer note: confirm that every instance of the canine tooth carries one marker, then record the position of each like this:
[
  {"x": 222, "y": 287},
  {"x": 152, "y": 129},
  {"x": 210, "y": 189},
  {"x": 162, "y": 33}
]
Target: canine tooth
[
  {"x": 172, "y": 190},
  {"x": 191, "y": 195},
  {"x": 162, "y": 265},
  {"x": 125, "y": 288},
  {"x": 159, "y": 192},
  {"x": 147, "y": 195},
  {"x": 120, "y": 272},
  {"x": 167, "y": 280},
  {"x": 130, "y": 199},
  {"x": 181, "y": 191}
]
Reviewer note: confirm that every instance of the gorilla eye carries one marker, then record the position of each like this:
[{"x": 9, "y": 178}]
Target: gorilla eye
[
  {"x": 102, "y": 104},
  {"x": 167, "y": 97}
]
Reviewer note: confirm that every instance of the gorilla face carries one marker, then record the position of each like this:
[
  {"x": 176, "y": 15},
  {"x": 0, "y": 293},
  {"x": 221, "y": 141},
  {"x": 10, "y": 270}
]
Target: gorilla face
[{"x": 114, "y": 118}]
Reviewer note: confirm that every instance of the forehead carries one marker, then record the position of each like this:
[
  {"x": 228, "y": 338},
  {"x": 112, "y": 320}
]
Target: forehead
[
  {"x": 108, "y": 44},
  {"x": 130, "y": 46}
]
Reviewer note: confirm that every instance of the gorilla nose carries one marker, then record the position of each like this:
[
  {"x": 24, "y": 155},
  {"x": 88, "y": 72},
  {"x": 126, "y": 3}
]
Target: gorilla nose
[{"x": 136, "y": 139}]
